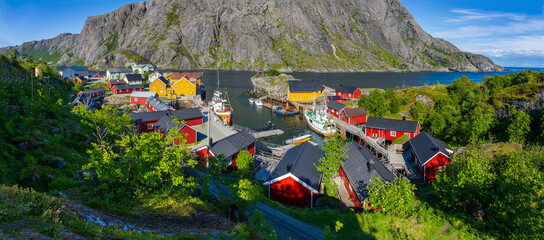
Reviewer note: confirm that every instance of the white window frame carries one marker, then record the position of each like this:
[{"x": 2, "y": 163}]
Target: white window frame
[
  {"x": 135, "y": 99},
  {"x": 150, "y": 126},
  {"x": 393, "y": 133}
]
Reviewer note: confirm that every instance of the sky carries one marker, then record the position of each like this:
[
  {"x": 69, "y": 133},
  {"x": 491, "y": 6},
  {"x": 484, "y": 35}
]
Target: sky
[{"x": 511, "y": 33}]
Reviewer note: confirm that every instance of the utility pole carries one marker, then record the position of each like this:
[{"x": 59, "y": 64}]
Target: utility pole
[
  {"x": 209, "y": 138},
  {"x": 32, "y": 85}
]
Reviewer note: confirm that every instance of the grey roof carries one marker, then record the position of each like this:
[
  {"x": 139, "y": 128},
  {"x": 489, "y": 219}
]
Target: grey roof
[
  {"x": 336, "y": 105},
  {"x": 392, "y": 124},
  {"x": 301, "y": 159},
  {"x": 334, "y": 98},
  {"x": 148, "y": 116},
  {"x": 162, "y": 79},
  {"x": 187, "y": 114},
  {"x": 79, "y": 68},
  {"x": 157, "y": 104},
  {"x": 232, "y": 144},
  {"x": 354, "y": 112},
  {"x": 134, "y": 77},
  {"x": 425, "y": 147},
  {"x": 356, "y": 169},
  {"x": 122, "y": 70},
  {"x": 346, "y": 89},
  {"x": 95, "y": 90},
  {"x": 166, "y": 123},
  {"x": 143, "y": 94},
  {"x": 80, "y": 98},
  {"x": 125, "y": 87},
  {"x": 305, "y": 86}
]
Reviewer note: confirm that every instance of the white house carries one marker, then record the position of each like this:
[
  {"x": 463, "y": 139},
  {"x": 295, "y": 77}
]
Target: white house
[
  {"x": 66, "y": 72},
  {"x": 118, "y": 73},
  {"x": 142, "y": 68},
  {"x": 152, "y": 77}
]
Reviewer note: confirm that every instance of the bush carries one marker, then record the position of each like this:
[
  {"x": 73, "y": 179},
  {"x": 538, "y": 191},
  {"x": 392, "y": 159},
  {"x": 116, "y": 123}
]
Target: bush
[{"x": 63, "y": 183}]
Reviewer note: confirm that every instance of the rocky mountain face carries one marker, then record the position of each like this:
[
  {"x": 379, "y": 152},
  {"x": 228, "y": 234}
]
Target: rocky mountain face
[{"x": 290, "y": 35}]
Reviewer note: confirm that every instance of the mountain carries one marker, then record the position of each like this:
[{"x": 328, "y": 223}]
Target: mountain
[{"x": 298, "y": 35}]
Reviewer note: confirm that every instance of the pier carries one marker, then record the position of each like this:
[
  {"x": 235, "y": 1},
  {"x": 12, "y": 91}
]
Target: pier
[
  {"x": 259, "y": 134},
  {"x": 392, "y": 156}
]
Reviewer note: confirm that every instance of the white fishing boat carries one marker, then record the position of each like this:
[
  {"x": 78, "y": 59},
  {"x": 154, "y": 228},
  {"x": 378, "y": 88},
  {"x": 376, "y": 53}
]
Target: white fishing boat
[
  {"x": 319, "y": 121},
  {"x": 258, "y": 102},
  {"x": 251, "y": 100},
  {"x": 220, "y": 106}
]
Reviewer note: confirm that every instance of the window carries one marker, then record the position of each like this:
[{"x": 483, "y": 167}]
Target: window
[
  {"x": 161, "y": 87},
  {"x": 310, "y": 97},
  {"x": 153, "y": 87},
  {"x": 149, "y": 126},
  {"x": 298, "y": 97},
  {"x": 135, "y": 99},
  {"x": 161, "y": 91},
  {"x": 407, "y": 134},
  {"x": 349, "y": 95},
  {"x": 191, "y": 92},
  {"x": 176, "y": 88},
  {"x": 393, "y": 134}
]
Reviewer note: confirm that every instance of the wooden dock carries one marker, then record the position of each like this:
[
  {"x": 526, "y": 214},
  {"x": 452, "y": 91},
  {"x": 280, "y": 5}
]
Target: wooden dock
[
  {"x": 260, "y": 134},
  {"x": 392, "y": 159}
]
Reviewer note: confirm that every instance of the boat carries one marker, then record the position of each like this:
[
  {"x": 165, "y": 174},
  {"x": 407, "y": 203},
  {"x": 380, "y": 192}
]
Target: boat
[
  {"x": 298, "y": 140},
  {"x": 319, "y": 121},
  {"x": 279, "y": 110},
  {"x": 267, "y": 127},
  {"x": 220, "y": 106},
  {"x": 258, "y": 102},
  {"x": 251, "y": 100}
]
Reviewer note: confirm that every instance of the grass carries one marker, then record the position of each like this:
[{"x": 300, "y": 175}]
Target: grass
[
  {"x": 111, "y": 42},
  {"x": 423, "y": 225}
]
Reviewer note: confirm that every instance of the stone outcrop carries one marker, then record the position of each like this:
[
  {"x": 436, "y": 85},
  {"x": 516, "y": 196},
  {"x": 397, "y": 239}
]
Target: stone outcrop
[
  {"x": 272, "y": 85},
  {"x": 302, "y": 35}
]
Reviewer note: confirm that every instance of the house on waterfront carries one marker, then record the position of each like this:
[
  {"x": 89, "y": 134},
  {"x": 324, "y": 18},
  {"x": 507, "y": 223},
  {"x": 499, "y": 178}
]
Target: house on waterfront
[
  {"x": 140, "y": 97},
  {"x": 347, "y": 92},
  {"x": 391, "y": 129},
  {"x": 353, "y": 115},
  {"x": 117, "y": 74},
  {"x": 66, "y": 72},
  {"x": 184, "y": 84},
  {"x": 359, "y": 167},
  {"x": 145, "y": 121},
  {"x": 304, "y": 91},
  {"x": 133, "y": 79},
  {"x": 295, "y": 180},
  {"x": 430, "y": 155},
  {"x": 112, "y": 83},
  {"x": 88, "y": 98},
  {"x": 124, "y": 89},
  {"x": 160, "y": 86},
  {"x": 166, "y": 123},
  {"x": 334, "y": 108},
  {"x": 229, "y": 147}
]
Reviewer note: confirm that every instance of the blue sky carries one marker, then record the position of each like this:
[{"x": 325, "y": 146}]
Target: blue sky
[{"x": 509, "y": 32}]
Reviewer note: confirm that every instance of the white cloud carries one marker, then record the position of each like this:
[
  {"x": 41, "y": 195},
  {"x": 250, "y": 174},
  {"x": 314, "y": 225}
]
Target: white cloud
[
  {"x": 474, "y": 14},
  {"x": 529, "y": 26}
]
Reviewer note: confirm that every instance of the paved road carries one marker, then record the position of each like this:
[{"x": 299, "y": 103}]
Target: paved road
[
  {"x": 284, "y": 225},
  {"x": 287, "y": 226}
]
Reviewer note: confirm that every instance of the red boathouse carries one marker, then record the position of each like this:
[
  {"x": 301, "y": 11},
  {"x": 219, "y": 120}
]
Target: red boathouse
[
  {"x": 123, "y": 89},
  {"x": 347, "y": 92}
]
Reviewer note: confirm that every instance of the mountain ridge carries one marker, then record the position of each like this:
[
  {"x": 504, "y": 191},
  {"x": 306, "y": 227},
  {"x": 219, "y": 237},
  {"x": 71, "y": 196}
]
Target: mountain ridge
[{"x": 307, "y": 35}]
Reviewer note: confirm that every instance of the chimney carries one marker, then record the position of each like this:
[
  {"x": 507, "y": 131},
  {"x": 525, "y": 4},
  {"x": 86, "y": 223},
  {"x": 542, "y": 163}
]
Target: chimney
[
  {"x": 370, "y": 165},
  {"x": 289, "y": 168}
]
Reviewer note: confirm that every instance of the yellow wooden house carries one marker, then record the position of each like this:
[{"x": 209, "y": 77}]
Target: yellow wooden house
[
  {"x": 160, "y": 86},
  {"x": 184, "y": 87},
  {"x": 304, "y": 91}
]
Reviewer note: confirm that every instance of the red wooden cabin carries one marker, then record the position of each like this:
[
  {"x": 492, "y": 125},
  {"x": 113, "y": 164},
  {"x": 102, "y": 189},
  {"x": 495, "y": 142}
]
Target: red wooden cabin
[
  {"x": 166, "y": 123},
  {"x": 140, "y": 97},
  {"x": 334, "y": 108},
  {"x": 116, "y": 82},
  {"x": 390, "y": 129},
  {"x": 145, "y": 121},
  {"x": 124, "y": 89},
  {"x": 295, "y": 180},
  {"x": 229, "y": 147},
  {"x": 347, "y": 92},
  {"x": 430, "y": 155},
  {"x": 353, "y": 115}
]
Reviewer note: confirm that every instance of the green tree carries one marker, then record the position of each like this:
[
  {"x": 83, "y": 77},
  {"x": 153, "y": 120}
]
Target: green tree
[
  {"x": 395, "y": 197},
  {"x": 519, "y": 126},
  {"x": 335, "y": 153},
  {"x": 247, "y": 194},
  {"x": 140, "y": 164},
  {"x": 107, "y": 123},
  {"x": 244, "y": 163},
  {"x": 374, "y": 103},
  {"x": 418, "y": 111}
]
